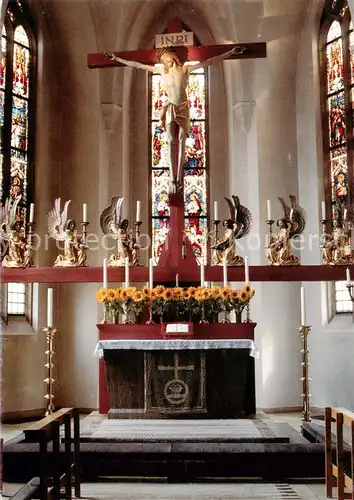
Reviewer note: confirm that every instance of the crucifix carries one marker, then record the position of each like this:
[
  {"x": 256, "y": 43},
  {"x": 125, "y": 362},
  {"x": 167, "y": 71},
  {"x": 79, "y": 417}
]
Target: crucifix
[{"x": 176, "y": 67}]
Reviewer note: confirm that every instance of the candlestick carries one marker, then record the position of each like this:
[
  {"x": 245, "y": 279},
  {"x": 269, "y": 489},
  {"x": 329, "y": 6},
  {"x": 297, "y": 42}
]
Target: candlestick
[
  {"x": 151, "y": 274},
  {"x": 247, "y": 273},
  {"x": 50, "y": 308},
  {"x": 268, "y": 210},
  {"x": 126, "y": 272},
  {"x": 202, "y": 271},
  {"x": 31, "y": 214},
  {"x": 138, "y": 210},
  {"x": 84, "y": 212},
  {"x": 323, "y": 210},
  {"x": 306, "y": 414},
  {"x": 303, "y": 307},
  {"x": 49, "y": 380},
  {"x": 105, "y": 273},
  {"x": 216, "y": 210},
  {"x": 347, "y": 272},
  {"x": 224, "y": 269}
]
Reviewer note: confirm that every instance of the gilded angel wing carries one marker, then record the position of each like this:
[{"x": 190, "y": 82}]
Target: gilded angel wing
[
  {"x": 232, "y": 209},
  {"x": 55, "y": 220},
  {"x": 243, "y": 218},
  {"x": 286, "y": 209},
  {"x": 298, "y": 221},
  {"x": 111, "y": 217}
]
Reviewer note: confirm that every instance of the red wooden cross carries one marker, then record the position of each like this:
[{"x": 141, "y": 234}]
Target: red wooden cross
[{"x": 178, "y": 250}]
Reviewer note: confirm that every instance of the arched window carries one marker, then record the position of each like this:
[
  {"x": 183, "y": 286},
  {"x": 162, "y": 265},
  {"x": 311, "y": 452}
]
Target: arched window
[
  {"x": 337, "y": 72},
  {"x": 17, "y": 71},
  {"x": 195, "y": 166}
]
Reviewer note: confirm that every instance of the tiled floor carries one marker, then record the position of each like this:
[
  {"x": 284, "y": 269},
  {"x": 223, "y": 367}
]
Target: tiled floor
[
  {"x": 212, "y": 491},
  {"x": 148, "y": 491}
]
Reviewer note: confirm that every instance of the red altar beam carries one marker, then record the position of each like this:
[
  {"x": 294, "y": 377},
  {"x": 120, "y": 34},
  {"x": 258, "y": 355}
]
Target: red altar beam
[
  {"x": 253, "y": 50},
  {"x": 140, "y": 274}
]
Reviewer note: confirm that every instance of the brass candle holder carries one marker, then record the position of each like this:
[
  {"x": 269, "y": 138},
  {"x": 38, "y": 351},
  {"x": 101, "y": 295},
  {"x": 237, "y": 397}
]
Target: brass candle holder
[
  {"x": 84, "y": 231},
  {"x": 49, "y": 380},
  {"x": 305, "y": 379}
]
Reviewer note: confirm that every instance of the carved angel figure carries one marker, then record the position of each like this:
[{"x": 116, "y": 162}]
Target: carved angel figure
[
  {"x": 292, "y": 224},
  {"x": 16, "y": 249},
  {"x": 112, "y": 225},
  {"x": 336, "y": 248},
  {"x": 63, "y": 229},
  {"x": 236, "y": 227}
]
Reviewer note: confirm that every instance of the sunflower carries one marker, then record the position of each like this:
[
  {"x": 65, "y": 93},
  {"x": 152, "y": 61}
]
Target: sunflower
[
  {"x": 192, "y": 291},
  {"x": 124, "y": 295},
  {"x": 168, "y": 295},
  {"x": 247, "y": 288},
  {"x": 234, "y": 295},
  {"x": 159, "y": 290},
  {"x": 146, "y": 291},
  {"x": 111, "y": 295},
  {"x": 138, "y": 296},
  {"x": 243, "y": 296}
]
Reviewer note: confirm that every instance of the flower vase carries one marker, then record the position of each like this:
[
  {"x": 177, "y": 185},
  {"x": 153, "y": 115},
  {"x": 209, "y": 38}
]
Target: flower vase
[
  {"x": 203, "y": 319},
  {"x": 127, "y": 315}
]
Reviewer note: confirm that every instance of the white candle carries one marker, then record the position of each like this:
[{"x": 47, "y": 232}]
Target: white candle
[
  {"x": 31, "y": 214},
  {"x": 247, "y": 273},
  {"x": 347, "y": 272},
  {"x": 151, "y": 274},
  {"x": 323, "y": 210},
  {"x": 177, "y": 279},
  {"x": 202, "y": 272},
  {"x": 224, "y": 269},
  {"x": 216, "y": 210},
  {"x": 50, "y": 307},
  {"x": 105, "y": 271},
  {"x": 84, "y": 212},
  {"x": 126, "y": 272},
  {"x": 138, "y": 211},
  {"x": 303, "y": 307},
  {"x": 345, "y": 214},
  {"x": 268, "y": 210}
]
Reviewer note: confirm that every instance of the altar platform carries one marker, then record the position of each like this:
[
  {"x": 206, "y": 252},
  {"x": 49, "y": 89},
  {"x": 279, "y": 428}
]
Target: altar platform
[{"x": 182, "y": 451}]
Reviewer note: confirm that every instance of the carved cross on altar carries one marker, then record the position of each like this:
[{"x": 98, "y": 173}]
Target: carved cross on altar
[
  {"x": 175, "y": 116},
  {"x": 176, "y": 367}
]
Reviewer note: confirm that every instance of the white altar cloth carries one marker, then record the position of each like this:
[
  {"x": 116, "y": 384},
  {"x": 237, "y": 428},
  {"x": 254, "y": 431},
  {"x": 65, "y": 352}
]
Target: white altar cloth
[{"x": 175, "y": 344}]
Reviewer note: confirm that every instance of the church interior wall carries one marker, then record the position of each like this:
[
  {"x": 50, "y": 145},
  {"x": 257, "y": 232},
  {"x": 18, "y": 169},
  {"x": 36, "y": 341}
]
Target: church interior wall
[
  {"x": 92, "y": 144},
  {"x": 331, "y": 338}
]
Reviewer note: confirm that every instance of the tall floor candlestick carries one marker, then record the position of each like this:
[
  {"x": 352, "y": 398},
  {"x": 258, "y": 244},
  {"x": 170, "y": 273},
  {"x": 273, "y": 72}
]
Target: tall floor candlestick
[{"x": 306, "y": 414}]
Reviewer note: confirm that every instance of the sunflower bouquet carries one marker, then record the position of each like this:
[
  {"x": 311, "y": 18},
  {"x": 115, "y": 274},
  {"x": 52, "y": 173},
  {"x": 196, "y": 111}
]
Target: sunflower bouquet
[{"x": 192, "y": 304}]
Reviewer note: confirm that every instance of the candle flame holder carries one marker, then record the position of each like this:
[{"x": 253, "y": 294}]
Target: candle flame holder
[{"x": 49, "y": 380}]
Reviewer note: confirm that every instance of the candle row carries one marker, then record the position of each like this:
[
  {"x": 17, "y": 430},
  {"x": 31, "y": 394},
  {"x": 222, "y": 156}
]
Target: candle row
[
  {"x": 323, "y": 211},
  {"x": 84, "y": 212},
  {"x": 151, "y": 272}
]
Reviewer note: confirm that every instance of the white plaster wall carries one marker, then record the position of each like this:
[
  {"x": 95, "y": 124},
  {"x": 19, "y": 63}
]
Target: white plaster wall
[{"x": 331, "y": 345}]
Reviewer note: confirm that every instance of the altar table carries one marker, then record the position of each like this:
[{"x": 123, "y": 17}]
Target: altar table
[{"x": 177, "y": 378}]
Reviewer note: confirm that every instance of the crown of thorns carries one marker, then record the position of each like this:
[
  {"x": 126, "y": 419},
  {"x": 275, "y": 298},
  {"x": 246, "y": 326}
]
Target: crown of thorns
[{"x": 163, "y": 51}]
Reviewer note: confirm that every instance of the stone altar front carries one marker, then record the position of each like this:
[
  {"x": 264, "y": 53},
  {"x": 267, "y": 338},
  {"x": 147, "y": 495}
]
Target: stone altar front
[{"x": 177, "y": 378}]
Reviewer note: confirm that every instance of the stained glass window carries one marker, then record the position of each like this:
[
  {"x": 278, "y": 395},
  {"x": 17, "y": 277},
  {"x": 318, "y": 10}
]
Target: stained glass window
[
  {"x": 16, "y": 106},
  {"x": 195, "y": 166},
  {"x": 339, "y": 88},
  {"x": 17, "y": 122},
  {"x": 338, "y": 101}
]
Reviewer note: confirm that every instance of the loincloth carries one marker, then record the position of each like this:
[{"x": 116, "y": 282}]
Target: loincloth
[{"x": 178, "y": 113}]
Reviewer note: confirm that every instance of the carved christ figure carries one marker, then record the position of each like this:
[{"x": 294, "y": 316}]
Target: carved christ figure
[{"x": 175, "y": 112}]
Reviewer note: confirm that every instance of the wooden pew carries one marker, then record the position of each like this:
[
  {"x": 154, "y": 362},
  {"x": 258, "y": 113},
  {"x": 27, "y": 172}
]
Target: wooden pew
[
  {"x": 336, "y": 476},
  {"x": 52, "y": 479}
]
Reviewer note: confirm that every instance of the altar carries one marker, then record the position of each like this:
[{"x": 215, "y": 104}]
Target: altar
[{"x": 147, "y": 376}]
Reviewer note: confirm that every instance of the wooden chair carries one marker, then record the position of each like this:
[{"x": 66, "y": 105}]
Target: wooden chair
[
  {"x": 52, "y": 476},
  {"x": 336, "y": 475}
]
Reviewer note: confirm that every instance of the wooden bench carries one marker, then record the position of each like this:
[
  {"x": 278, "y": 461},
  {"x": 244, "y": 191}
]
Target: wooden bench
[
  {"x": 336, "y": 475},
  {"x": 51, "y": 476}
]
